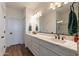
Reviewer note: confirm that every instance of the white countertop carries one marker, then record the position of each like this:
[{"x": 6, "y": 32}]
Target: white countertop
[{"x": 66, "y": 43}]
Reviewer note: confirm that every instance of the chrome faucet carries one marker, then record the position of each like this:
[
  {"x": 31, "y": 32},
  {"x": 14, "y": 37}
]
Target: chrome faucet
[{"x": 57, "y": 36}]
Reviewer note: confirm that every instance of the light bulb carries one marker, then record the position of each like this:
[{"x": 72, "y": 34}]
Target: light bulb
[
  {"x": 52, "y": 6},
  {"x": 58, "y": 4},
  {"x": 65, "y": 2}
]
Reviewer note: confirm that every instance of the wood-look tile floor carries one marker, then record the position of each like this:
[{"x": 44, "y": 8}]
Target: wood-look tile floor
[{"x": 18, "y": 50}]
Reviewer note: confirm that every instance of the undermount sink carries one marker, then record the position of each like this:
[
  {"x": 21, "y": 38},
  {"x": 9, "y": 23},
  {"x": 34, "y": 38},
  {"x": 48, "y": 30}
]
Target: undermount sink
[{"x": 59, "y": 41}]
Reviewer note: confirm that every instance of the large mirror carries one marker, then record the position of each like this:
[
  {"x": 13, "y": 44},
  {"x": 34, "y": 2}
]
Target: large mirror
[{"x": 56, "y": 21}]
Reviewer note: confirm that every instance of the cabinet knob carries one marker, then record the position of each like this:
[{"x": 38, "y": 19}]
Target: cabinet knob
[{"x": 2, "y": 36}]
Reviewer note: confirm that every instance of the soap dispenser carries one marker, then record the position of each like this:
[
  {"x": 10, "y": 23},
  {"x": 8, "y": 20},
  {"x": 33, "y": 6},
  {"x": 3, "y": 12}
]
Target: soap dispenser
[{"x": 76, "y": 38}]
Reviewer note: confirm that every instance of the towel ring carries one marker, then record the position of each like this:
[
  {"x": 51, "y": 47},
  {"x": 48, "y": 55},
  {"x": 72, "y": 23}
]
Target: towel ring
[{"x": 72, "y": 7}]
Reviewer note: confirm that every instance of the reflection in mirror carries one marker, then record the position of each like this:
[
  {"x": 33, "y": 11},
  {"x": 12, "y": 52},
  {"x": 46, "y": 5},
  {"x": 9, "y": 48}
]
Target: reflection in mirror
[{"x": 56, "y": 21}]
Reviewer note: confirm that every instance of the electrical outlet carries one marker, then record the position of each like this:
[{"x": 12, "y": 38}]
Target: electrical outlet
[
  {"x": 4, "y": 31},
  {"x": 4, "y": 17}
]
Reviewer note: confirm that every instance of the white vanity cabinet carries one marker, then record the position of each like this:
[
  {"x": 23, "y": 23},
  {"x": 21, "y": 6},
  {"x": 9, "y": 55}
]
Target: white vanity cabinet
[
  {"x": 40, "y": 47},
  {"x": 59, "y": 50}
]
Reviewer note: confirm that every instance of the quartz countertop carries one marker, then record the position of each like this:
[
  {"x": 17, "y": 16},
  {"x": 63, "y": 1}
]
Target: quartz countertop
[{"x": 65, "y": 43}]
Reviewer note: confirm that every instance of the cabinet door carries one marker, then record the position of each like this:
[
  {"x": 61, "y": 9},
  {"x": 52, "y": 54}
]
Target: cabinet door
[
  {"x": 2, "y": 28},
  {"x": 25, "y": 41},
  {"x": 46, "y": 52},
  {"x": 59, "y": 50}
]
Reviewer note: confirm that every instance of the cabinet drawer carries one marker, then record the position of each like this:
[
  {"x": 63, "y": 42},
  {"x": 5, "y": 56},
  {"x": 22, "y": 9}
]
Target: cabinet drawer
[
  {"x": 34, "y": 52},
  {"x": 35, "y": 47},
  {"x": 46, "y": 52},
  {"x": 34, "y": 39},
  {"x": 65, "y": 51}
]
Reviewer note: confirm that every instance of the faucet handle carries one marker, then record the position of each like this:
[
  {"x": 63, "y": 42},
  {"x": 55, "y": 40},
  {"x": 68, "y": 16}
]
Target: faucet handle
[
  {"x": 55, "y": 37},
  {"x": 63, "y": 37},
  {"x": 58, "y": 36}
]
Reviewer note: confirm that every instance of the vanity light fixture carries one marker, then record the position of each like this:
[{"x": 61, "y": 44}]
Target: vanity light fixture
[
  {"x": 55, "y": 5},
  {"x": 59, "y": 21}
]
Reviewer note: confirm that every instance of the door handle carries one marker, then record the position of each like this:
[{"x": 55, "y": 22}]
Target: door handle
[
  {"x": 10, "y": 33},
  {"x": 2, "y": 36}
]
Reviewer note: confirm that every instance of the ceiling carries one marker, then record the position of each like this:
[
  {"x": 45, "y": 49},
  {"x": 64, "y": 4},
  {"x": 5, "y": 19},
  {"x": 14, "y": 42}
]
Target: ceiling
[
  {"x": 31, "y": 5},
  {"x": 35, "y": 6}
]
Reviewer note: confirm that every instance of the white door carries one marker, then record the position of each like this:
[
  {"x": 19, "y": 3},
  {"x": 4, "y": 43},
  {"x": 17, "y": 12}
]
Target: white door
[
  {"x": 15, "y": 31},
  {"x": 2, "y": 28}
]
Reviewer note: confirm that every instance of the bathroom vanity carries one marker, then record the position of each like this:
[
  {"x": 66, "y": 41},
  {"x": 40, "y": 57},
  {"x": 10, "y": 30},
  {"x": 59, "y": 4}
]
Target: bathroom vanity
[
  {"x": 52, "y": 21},
  {"x": 47, "y": 45}
]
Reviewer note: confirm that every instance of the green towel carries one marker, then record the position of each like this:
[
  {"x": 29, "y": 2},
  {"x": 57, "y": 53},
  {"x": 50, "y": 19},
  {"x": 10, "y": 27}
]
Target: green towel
[{"x": 72, "y": 25}]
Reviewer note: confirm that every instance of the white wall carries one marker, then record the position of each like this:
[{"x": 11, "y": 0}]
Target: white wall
[
  {"x": 48, "y": 22},
  {"x": 15, "y": 18}
]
